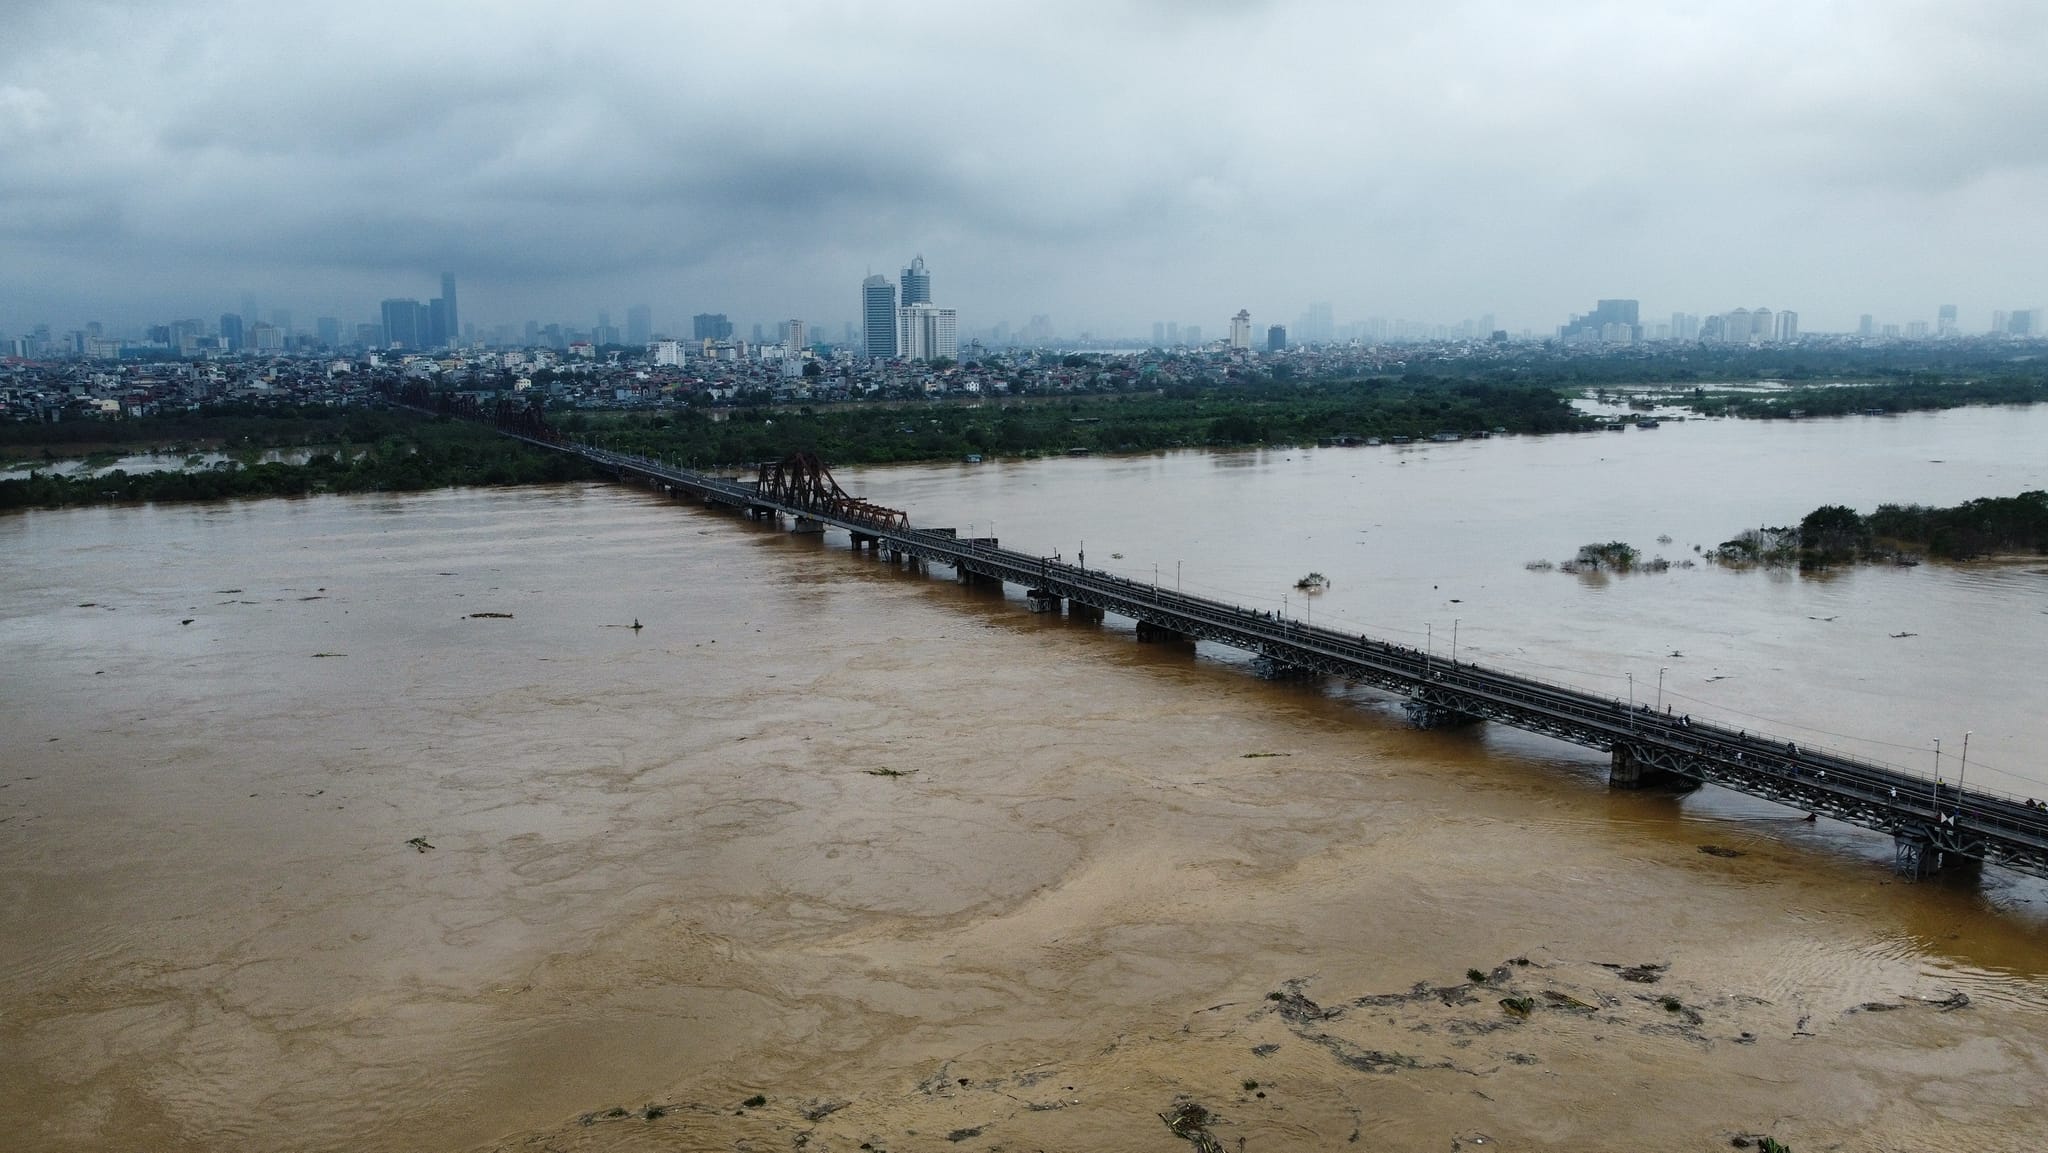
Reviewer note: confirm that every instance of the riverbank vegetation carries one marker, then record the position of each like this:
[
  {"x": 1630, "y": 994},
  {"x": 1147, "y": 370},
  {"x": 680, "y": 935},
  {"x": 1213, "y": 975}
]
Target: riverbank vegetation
[
  {"x": 1237, "y": 416},
  {"x": 1919, "y": 394},
  {"x": 1838, "y": 535},
  {"x": 408, "y": 454}
]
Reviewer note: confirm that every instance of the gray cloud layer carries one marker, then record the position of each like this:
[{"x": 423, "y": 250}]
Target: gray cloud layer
[{"x": 1106, "y": 164}]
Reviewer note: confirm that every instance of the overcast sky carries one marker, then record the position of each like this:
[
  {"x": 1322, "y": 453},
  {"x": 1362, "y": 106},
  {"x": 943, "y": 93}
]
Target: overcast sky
[{"x": 1106, "y": 164}]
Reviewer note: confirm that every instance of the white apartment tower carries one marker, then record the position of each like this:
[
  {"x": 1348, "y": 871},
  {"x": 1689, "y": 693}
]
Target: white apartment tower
[
  {"x": 925, "y": 331},
  {"x": 1241, "y": 329}
]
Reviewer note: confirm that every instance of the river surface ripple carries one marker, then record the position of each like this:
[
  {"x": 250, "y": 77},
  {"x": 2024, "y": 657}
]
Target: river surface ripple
[{"x": 668, "y": 870}]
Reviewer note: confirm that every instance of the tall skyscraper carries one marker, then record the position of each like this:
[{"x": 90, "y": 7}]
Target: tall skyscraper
[
  {"x": 1788, "y": 327},
  {"x": 917, "y": 283},
  {"x": 404, "y": 323},
  {"x": 1241, "y": 329},
  {"x": 792, "y": 337},
  {"x": 1945, "y": 322},
  {"x": 639, "y": 325},
  {"x": 231, "y": 332},
  {"x": 710, "y": 326},
  {"x": 436, "y": 334},
  {"x": 1866, "y": 325},
  {"x": 452, "y": 323},
  {"x": 1276, "y": 338},
  {"x": 878, "y": 313},
  {"x": 329, "y": 330}
]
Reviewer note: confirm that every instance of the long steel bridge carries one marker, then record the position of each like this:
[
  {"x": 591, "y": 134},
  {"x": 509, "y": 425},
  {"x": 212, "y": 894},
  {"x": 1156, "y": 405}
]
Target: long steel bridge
[{"x": 1934, "y": 825}]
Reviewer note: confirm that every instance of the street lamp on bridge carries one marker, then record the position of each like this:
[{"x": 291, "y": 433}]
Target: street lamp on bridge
[{"x": 1661, "y": 670}]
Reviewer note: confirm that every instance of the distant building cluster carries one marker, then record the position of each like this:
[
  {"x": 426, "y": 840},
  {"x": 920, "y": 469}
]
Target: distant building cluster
[
  {"x": 910, "y": 327},
  {"x": 408, "y": 324}
]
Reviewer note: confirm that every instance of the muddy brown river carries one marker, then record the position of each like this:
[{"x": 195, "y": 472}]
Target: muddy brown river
[{"x": 370, "y": 823}]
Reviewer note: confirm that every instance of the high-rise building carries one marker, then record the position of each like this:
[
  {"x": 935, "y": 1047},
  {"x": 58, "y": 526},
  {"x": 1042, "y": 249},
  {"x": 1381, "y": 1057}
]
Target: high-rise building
[
  {"x": 2024, "y": 322},
  {"x": 1192, "y": 334},
  {"x": 231, "y": 332},
  {"x": 792, "y": 337},
  {"x": 1866, "y": 325},
  {"x": 878, "y": 313},
  {"x": 1276, "y": 338},
  {"x": 328, "y": 329},
  {"x": 436, "y": 335},
  {"x": 639, "y": 325},
  {"x": 404, "y": 323},
  {"x": 1945, "y": 322},
  {"x": 1788, "y": 327},
  {"x": 1241, "y": 329},
  {"x": 281, "y": 319},
  {"x": 1317, "y": 325},
  {"x": 451, "y": 328},
  {"x": 1159, "y": 334},
  {"x": 710, "y": 326},
  {"x": 927, "y": 332},
  {"x": 1610, "y": 320},
  {"x": 917, "y": 283}
]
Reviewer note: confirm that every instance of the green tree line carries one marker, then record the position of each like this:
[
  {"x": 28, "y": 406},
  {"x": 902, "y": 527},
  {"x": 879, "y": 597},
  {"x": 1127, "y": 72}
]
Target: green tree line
[
  {"x": 1225, "y": 417},
  {"x": 420, "y": 454},
  {"x": 1984, "y": 527}
]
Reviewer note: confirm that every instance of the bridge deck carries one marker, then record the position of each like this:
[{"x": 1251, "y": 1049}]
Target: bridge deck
[{"x": 1928, "y": 821}]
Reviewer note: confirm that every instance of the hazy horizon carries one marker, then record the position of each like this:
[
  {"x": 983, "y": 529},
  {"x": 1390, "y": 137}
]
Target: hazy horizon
[{"x": 1106, "y": 165}]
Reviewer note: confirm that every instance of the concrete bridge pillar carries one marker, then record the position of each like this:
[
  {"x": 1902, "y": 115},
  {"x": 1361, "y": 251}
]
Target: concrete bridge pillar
[
  {"x": 1916, "y": 857},
  {"x": 1080, "y": 612},
  {"x": 1151, "y": 632},
  {"x": 1627, "y": 770},
  {"x": 863, "y": 540},
  {"x": 807, "y": 526},
  {"x": 1042, "y": 601},
  {"x": 1427, "y": 714}
]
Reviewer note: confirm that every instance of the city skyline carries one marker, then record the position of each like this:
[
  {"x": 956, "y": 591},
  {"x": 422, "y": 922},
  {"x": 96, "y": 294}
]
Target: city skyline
[{"x": 1471, "y": 158}]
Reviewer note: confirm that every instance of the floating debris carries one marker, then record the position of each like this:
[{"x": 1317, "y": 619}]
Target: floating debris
[
  {"x": 1189, "y": 1121},
  {"x": 1720, "y": 851},
  {"x": 491, "y": 616},
  {"x": 420, "y": 843},
  {"x": 884, "y": 771}
]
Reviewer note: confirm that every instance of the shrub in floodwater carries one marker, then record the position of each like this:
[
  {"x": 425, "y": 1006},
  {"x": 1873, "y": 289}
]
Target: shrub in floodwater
[{"x": 1475, "y": 976}]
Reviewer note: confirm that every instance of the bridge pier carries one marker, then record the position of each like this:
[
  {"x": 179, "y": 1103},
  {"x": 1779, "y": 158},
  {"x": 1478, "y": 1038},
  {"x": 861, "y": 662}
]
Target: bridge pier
[
  {"x": 1081, "y": 612},
  {"x": 1917, "y": 857},
  {"x": 1042, "y": 601},
  {"x": 1427, "y": 714},
  {"x": 863, "y": 540},
  {"x": 1151, "y": 632},
  {"x": 807, "y": 526},
  {"x": 1626, "y": 769},
  {"x": 971, "y": 578}
]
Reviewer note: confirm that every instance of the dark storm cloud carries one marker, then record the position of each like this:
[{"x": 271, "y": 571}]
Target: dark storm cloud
[{"x": 1108, "y": 164}]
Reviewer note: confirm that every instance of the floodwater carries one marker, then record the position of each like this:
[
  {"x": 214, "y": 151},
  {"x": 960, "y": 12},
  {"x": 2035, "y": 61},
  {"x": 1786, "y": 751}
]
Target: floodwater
[{"x": 924, "y": 870}]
